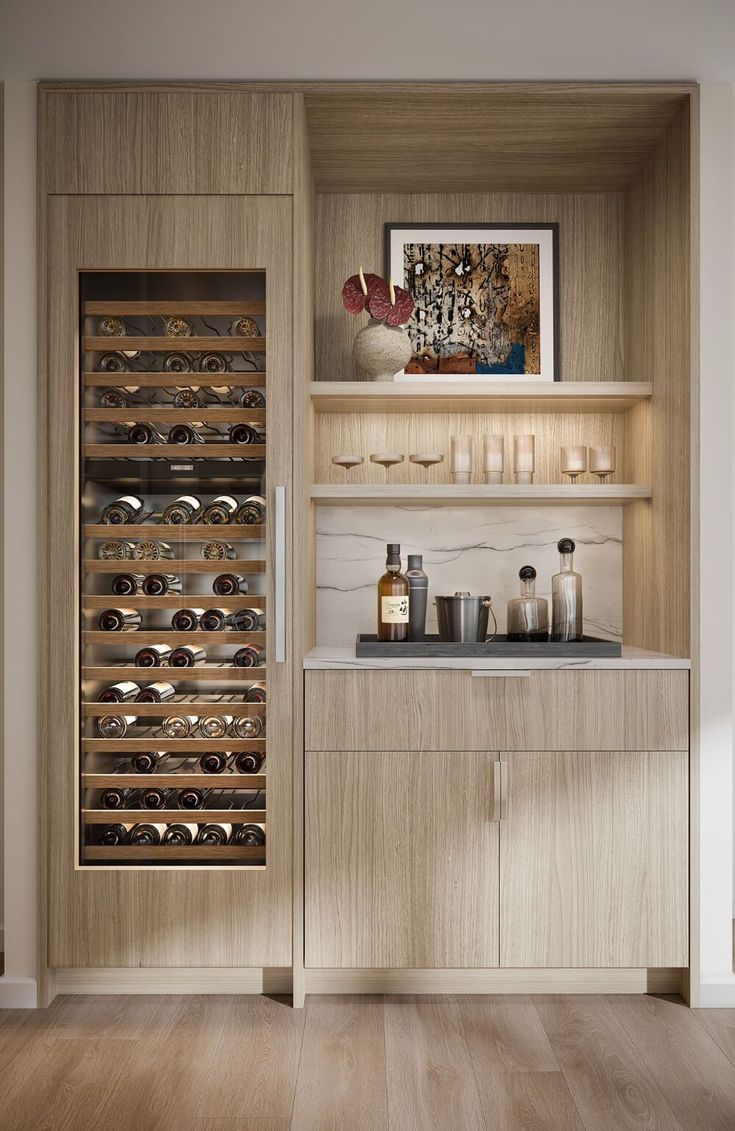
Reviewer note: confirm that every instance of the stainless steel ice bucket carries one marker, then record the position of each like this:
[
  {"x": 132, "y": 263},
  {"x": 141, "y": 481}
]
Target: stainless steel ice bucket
[{"x": 462, "y": 619}]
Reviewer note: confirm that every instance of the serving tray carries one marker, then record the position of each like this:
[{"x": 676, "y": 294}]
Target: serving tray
[{"x": 432, "y": 646}]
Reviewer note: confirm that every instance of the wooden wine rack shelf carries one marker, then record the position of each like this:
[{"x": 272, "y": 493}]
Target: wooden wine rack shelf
[
  {"x": 173, "y": 565},
  {"x": 227, "y": 780},
  {"x": 215, "y": 415},
  {"x": 179, "y": 601},
  {"x": 92, "y": 636},
  {"x": 171, "y": 532},
  {"x": 155, "y": 710},
  {"x": 203, "y": 673},
  {"x": 156, "y": 379},
  {"x": 167, "y": 816},
  {"x": 171, "y": 745},
  {"x": 160, "y": 344},
  {"x": 183, "y": 452},
  {"x": 189, "y": 854},
  {"x": 173, "y": 306}
]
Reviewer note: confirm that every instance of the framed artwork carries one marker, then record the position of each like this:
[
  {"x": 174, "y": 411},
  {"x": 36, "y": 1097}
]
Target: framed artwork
[{"x": 486, "y": 299}]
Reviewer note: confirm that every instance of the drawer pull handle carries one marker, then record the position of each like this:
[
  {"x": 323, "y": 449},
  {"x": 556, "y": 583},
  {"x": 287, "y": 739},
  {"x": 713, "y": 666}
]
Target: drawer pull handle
[{"x": 497, "y": 790}]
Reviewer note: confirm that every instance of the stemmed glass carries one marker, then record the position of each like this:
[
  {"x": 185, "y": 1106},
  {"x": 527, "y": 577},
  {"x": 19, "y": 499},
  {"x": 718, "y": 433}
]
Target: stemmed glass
[
  {"x": 347, "y": 462},
  {"x": 602, "y": 462},
  {"x": 574, "y": 461},
  {"x": 387, "y": 459},
  {"x": 426, "y": 460}
]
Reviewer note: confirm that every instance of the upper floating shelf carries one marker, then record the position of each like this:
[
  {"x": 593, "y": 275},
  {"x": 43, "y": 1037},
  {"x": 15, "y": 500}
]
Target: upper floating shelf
[
  {"x": 477, "y": 494},
  {"x": 478, "y": 396}
]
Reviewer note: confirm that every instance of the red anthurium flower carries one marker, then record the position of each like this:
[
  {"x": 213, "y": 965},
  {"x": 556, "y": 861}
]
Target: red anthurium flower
[
  {"x": 394, "y": 313},
  {"x": 353, "y": 298}
]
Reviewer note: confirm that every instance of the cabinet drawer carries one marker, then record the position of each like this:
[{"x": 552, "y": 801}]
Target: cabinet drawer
[{"x": 454, "y": 710}]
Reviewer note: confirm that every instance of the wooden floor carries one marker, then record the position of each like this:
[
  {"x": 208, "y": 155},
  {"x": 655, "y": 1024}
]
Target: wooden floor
[{"x": 343, "y": 1063}]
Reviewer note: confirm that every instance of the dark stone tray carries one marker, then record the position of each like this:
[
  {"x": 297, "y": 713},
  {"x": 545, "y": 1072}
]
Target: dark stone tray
[{"x": 501, "y": 647}]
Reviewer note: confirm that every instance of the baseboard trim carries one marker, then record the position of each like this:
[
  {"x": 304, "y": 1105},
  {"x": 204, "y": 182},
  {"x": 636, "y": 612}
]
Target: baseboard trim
[
  {"x": 18, "y": 993},
  {"x": 489, "y": 981},
  {"x": 180, "y": 980}
]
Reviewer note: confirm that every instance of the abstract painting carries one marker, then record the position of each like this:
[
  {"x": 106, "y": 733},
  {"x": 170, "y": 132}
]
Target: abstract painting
[{"x": 485, "y": 299}]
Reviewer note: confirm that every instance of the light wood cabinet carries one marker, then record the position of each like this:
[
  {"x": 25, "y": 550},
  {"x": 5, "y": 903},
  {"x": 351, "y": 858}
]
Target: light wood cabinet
[{"x": 402, "y": 860}]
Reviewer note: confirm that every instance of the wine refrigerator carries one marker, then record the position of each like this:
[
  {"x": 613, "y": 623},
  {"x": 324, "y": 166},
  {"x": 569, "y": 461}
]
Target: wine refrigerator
[{"x": 178, "y": 621}]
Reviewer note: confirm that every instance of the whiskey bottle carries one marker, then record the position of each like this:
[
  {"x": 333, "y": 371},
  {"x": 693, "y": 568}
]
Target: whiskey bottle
[
  {"x": 115, "y": 726},
  {"x": 113, "y": 834},
  {"x": 153, "y": 656},
  {"x": 248, "y": 726},
  {"x": 187, "y": 656},
  {"x": 528, "y": 615},
  {"x": 150, "y": 551},
  {"x": 119, "y": 620},
  {"x": 229, "y": 584},
  {"x": 393, "y": 598},
  {"x": 213, "y": 835},
  {"x": 249, "y": 762},
  {"x": 123, "y": 511},
  {"x": 255, "y": 694},
  {"x": 248, "y": 620},
  {"x": 180, "y": 835},
  {"x": 251, "y": 511},
  {"x": 220, "y": 511},
  {"x": 156, "y": 692},
  {"x": 182, "y": 511},
  {"x": 566, "y": 597},
  {"x": 147, "y": 836},
  {"x": 251, "y": 835},
  {"x": 122, "y": 692},
  {"x": 125, "y": 584},
  {"x": 185, "y": 434},
  {"x": 216, "y": 551},
  {"x": 249, "y": 657},
  {"x": 159, "y": 584},
  {"x": 145, "y": 762},
  {"x": 186, "y": 620}
]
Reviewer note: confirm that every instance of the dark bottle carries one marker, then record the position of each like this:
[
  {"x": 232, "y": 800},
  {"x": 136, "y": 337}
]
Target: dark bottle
[
  {"x": 182, "y": 511},
  {"x": 229, "y": 584},
  {"x": 249, "y": 762},
  {"x": 159, "y": 584},
  {"x": 191, "y": 798},
  {"x": 251, "y": 511},
  {"x": 176, "y": 363},
  {"x": 215, "y": 620},
  {"x": 244, "y": 434},
  {"x": 248, "y": 620},
  {"x": 566, "y": 597},
  {"x": 249, "y": 657},
  {"x": 255, "y": 694},
  {"x": 112, "y": 363},
  {"x": 186, "y": 620},
  {"x": 248, "y": 726},
  {"x": 145, "y": 762},
  {"x": 122, "y": 692},
  {"x": 184, "y": 434},
  {"x": 180, "y": 835},
  {"x": 144, "y": 434},
  {"x": 125, "y": 584},
  {"x": 213, "y": 835},
  {"x": 115, "y": 726},
  {"x": 116, "y": 798},
  {"x": 187, "y": 656},
  {"x": 119, "y": 620},
  {"x": 418, "y": 590},
  {"x": 213, "y": 762},
  {"x": 156, "y": 692},
  {"x": 216, "y": 551},
  {"x": 220, "y": 511},
  {"x": 251, "y": 835},
  {"x": 212, "y": 363},
  {"x": 113, "y": 398},
  {"x": 528, "y": 615},
  {"x": 186, "y": 398},
  {"x": 146, "y": 835},
  {"x": 252, "y": 398},
  {"x": 152, "y": 656},
  {"x": 123, "y": 511},
  {"x": 112, "y": 834},
  {"x": 393, "y": 598},
  {"x": 152, "y": 798}
]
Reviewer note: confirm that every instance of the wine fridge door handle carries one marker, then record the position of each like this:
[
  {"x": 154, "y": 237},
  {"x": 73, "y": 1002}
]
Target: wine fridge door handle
[
  {"x": 280, "y": 572},
  {"x": 497, "y": 791}
]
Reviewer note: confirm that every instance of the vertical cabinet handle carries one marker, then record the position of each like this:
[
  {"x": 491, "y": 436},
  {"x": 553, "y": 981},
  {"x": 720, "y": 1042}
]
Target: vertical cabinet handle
[
  {"x": 497, "y": 790},
  {"x": 280, "y": 572}
]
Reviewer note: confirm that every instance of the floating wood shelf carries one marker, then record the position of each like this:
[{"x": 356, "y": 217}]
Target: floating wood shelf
[
  {"x": 226, "y": 780},
  {"x": 177, "y": 601},
  {"x": 169, "y": 816},
  {"x": 203, "y": 673},
  {"x": 171, "y": 532},
  {"x": 142, "y": 710},
  {"x": 478, "y": 396},
  {"x": 172, "y": 565},
  {"x": 219, "y": 414},
  {"x": 158, "y": 344},
  {"x": 172, "y": 745},
  {"x": 173, "y": 306},
  {"x": 450, "y": 494},
  {"x": 175, "y": 451},
  {"x": 189, "y": 854},
  {"x": 159, "y": 380},
  {"x": 168, "y": 635}
]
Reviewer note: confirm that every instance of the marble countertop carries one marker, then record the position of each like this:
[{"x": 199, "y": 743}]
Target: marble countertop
[{"x": 338, "y": 658}]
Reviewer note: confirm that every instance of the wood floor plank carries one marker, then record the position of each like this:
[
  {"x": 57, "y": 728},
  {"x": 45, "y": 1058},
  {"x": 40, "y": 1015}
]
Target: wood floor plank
[
  {"x": 254, "y": 1070},
  {"x": 430, "y": 1079},
  {"x": 167, "y": 1071},
  {"x": 527, "y": 1101},
  {"x": 240, "y": 1125},
  {"x": 690, "y": 1068},
  {"x": 506, "y": 1038},
  {"x": 62, "y": 1084},
  {"x": 341, "y": 1079},
  {"x": 611, "y": 1088},
  {"x": 124, "y": 1017},
  {"x": 720, "y": 1024}
]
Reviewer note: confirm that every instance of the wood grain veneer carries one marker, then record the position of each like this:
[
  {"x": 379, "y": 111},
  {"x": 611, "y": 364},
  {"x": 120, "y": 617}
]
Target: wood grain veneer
[{"x": 450, "y": 710}]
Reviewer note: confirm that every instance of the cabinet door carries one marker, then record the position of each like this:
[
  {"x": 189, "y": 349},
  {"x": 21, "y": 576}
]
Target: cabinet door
[
  {"x": 593, "y": 860},
  {"x": 401, "y": 860}
]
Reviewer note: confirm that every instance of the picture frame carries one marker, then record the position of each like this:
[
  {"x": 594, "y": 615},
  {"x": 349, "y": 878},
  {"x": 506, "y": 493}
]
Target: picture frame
[{"x": 486, "y": 299}]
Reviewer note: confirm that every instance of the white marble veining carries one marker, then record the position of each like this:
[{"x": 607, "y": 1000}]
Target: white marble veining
[
  {"x": 333, "y": 658},
  {"x": 479, "y": 550}
]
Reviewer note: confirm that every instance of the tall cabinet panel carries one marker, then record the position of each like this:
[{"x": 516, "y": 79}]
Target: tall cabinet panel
[{"x": 128, "y": 264}]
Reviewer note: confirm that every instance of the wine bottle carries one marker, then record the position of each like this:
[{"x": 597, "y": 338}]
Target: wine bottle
[
  {"x": 252, "y": 398},
  {"x": 255, "y": 693},
  {"x": 182, "y": 511},
  {"x": 249, "y": 761},
  {"x": 220, "y": 511},
  {"x": 215, "y": 620},
  {"x": 115, "y": 797},
  {"x": 113, "y": 834},
  {"x": 187, "y": 656},
  {"x": 212, "y": 363},
  {"x": 122, "y": 692},
  {"x": 185, "y": 434},
  {"x": 157, "y": 692},
  {"x": 119, "y": 620},
  {"x": 179, "y": 726},
  {"x": 248, "y": 726},
  {"x": 216, "y": 551},
  {"x": 114, "y": 550},
  {"x": 123, "y": 511},
  {"x": 251, "y": 511},
  {"x": 152, "y": 656},
  {"x": 191, "y": 798},
  {"x": 146, "y": 835},
  {"x": 125, "y": 584},
  {"x": 186, "y": 620},
  {"x": 393, "y": 598},
  {"x": 145, "y": 434},
  {"x": 248, "y": 620},
  {"x": 176, "y": 363},
  {"x": 229, "y": 584},
  {"x": 187, "y": 398},
  {"x": 251, "y": 835},
  {"x": 249, "y": 657},
  {"x": 145, "y": 761},
  {"x": 213, "y": 835},
  {"x": 115, "y": 726},
  {"x": 159, "y": 584},
  {"x": 153, "y": 798},
  {"x": 180, "y": 835},
  {"x": 215, "y": 726},
  {"x": 113, "y": 363},
  {"x": 213, "y": 762},
  {"x": 113, "y": 398},
  {"x": 244, "y": 434},
  {"x": 150, "y": 551}
]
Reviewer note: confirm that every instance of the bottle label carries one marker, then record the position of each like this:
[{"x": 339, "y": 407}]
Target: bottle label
[{"x": 394, "y": 610}]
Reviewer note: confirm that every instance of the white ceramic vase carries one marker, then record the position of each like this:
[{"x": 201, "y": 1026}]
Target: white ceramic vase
[{"x": 381, "y": 351}]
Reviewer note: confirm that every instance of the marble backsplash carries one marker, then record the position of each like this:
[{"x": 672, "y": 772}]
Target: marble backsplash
[{"x": 477, "y": 549}]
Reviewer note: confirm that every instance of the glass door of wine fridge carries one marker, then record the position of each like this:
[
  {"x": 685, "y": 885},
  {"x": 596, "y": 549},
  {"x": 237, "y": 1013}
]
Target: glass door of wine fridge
[{"x": 176, "y": 630}]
